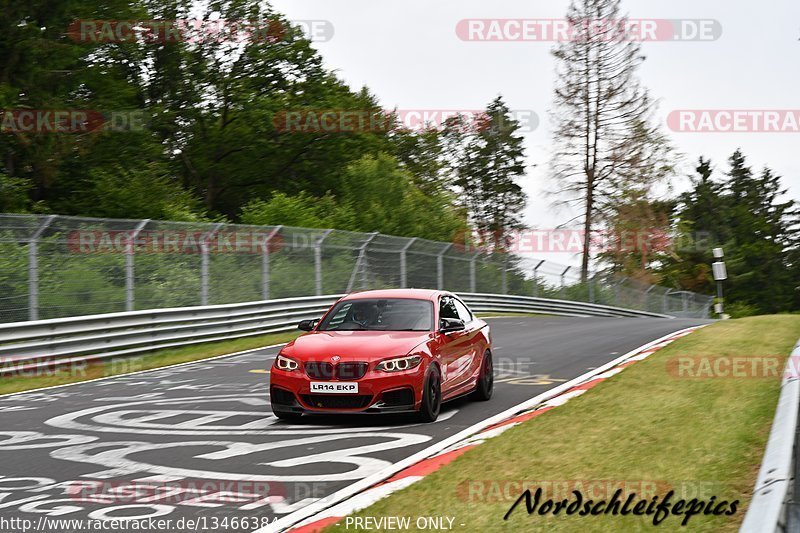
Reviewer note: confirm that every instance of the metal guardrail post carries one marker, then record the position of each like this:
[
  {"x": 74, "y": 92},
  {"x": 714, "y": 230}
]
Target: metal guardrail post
[
  {"x": 440, "y": 267},
  {"x": 318, "y": 261},
  {"x": 265, "y": 263},
  {"x": 536, "y": 278},
  {"x": 130, "y": 296},
  {"x": 404, "y": 264},
  {"x": 33, "y": 268},
  {"x": 204, "y": 263},
  {"x": 562, "y": 280}
]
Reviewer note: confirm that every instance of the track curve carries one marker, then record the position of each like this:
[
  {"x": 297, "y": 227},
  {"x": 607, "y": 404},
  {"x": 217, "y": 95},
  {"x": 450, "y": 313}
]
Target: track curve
[{"x": 198, "y": 441}]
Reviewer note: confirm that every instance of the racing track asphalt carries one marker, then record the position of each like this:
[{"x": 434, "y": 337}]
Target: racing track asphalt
[{"x": 205, "y": 428}]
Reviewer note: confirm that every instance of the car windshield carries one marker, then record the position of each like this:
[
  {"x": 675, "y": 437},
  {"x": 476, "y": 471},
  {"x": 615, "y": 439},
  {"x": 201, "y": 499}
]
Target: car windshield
[{"x": 390, "y": 314}]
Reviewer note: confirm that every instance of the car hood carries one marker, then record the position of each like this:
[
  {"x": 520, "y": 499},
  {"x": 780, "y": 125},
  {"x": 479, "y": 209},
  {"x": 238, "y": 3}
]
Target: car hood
[{"x": 355, "y": 345}]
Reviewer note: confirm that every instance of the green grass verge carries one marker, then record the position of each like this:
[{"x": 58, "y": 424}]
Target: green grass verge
[
  {"x": 146, "y": 361},
  {"x": 644, "y": 427}
]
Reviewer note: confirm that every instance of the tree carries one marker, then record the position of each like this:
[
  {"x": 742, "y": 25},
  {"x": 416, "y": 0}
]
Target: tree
[
  {"x": 603, "y": 135},
  {"x": 637, "y": 236},
  {"x": 699, "y": 224},
  {"x": 747, "y": 216},
  {"x": 488, "y": 161},
  {"x": 376, "y": 194},
  {"x": 211, "y": 146},
  {"x": 762, "y": 229}
]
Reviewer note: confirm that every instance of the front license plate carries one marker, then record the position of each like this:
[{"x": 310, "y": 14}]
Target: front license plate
[{"x": 339, "y": 387}]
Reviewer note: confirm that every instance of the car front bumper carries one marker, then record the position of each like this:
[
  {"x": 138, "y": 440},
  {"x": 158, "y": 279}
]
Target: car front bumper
[{"x": 378, "y": 392}]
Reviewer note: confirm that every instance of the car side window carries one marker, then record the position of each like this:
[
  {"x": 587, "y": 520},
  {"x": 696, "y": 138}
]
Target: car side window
[
  {"x": 463, "y": 312},
  {"x": 340, "y": 315},
  {"x": 447, "y": 308}
]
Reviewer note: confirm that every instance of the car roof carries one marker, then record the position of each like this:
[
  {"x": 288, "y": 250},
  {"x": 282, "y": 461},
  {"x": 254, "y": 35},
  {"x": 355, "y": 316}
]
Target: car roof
[{"x": 417, "y": 294}]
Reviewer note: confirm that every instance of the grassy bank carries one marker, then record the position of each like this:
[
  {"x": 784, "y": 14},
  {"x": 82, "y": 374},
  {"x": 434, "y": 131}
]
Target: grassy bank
[
  {"x": 147, "y": 361},
  {"x": 646, "y": 430}
]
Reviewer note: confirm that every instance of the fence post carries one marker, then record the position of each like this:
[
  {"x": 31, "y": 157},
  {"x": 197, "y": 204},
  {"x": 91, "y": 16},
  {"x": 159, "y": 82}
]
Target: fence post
[
  {"x": 647, "y": 297},
  {"x": 616, "y": 290},
  {"x": 591, "y": 288},
  {"x": 129, "y": 277},
  {"x": 665, "y": 302},
  {"x": 365, "y": 260},
  {"x": 318, "y": 261},
  {"x": 404, "y": 264},
  {"x": 265, "y": 263},
  {"x": 33, "y": 268},
  {"x": 473, "y": 284},
  {"x": 440, "y": 267},
  {"x": 504, "y": 278},
  {"x": 204, "y": 263},
  {"x": 536, "y": 278},
  {"x": 562, "y": 280}
]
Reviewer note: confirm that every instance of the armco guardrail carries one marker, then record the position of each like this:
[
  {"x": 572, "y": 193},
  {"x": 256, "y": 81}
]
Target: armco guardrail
[
  {"x": 41, "y": 343},
  {"x": 775, "y": 485},
  {"x": 500, "y": 303}
]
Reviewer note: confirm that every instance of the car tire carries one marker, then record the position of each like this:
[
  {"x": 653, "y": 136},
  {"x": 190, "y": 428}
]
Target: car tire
[
  {"x": 431, "y": 397},
  {"x": 287, "y": 416},
  {"x": 485, "y": 386}
]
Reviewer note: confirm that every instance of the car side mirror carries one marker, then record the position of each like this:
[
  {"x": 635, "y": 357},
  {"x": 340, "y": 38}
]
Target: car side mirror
[
  {"x": 307, "y": 325},
  {"x": 448, "y": 325}
]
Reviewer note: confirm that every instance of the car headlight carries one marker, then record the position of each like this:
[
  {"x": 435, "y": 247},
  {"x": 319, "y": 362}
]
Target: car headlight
[
  {"x": 284, "y": 363},
  {"x": 399, "y": 364}
]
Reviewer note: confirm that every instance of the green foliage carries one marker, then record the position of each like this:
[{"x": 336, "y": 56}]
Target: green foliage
[
  {"x": 14, "y": 194},
  {"x": 215, "y": 144},
  {"x": 147, "y": 192},
  {"x": 487, "y": 166},
  {"x": 376, "y": 194},
  {"x": 300, "y": 210},
  {"x": 746, "y": 216},
  {"x": 741, "y": 310}
]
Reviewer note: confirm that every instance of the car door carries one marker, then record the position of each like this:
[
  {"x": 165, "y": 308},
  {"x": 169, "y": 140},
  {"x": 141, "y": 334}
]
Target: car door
[
  {"x": 473, "y": 335},
  {"x": 456, "y": 350}
]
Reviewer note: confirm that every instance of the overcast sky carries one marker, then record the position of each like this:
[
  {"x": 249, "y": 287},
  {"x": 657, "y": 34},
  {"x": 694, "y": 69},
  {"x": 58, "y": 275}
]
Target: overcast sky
[{"x": 409, "y": 55}]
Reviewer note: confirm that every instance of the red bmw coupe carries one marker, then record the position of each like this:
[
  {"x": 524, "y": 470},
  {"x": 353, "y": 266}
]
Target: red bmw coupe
[{"x": 386, "y": 351}]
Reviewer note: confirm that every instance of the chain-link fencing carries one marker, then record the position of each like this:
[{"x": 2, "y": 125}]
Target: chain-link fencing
[{"x": 54, "y": 266}]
